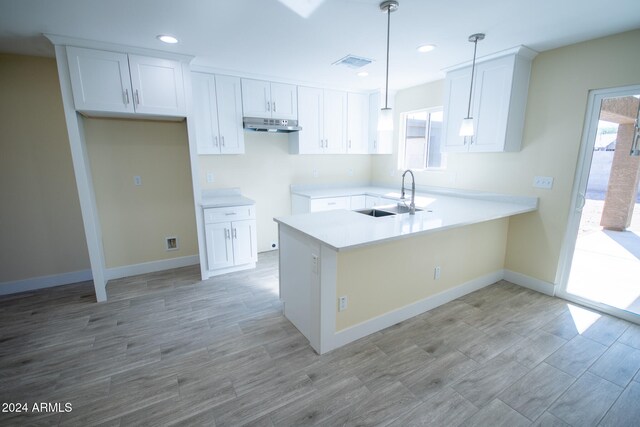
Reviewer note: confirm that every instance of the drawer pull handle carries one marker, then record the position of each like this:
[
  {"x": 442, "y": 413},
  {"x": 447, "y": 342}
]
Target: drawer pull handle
[
  {"x": 230, "y": 213},
  {"x": 331, "y": 203}
]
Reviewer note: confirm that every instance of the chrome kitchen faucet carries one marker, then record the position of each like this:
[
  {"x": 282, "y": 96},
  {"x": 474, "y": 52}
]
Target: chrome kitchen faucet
[{"x": 412, "y": 206}]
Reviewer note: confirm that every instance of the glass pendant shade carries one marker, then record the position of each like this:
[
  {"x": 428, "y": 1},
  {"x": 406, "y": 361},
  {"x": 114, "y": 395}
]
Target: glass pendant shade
[
  {"x": 466, "y": 128},
  {"x": 385, "y": 120}
]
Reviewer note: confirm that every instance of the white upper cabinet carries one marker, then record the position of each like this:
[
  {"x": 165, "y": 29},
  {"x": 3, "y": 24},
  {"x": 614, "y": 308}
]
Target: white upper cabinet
[
  {"x": 357, "y": 123},
  {"x": 335, "y": 120},
  {"x": 110, "y": 82},
  {"x": 498, "y": 103},
  {"x": 284, "y": 101},
  {"x": 322, "y": 116},
  {"x": 100, "y": 80},
  {"x": 269, "y": 100},
  {"x": 158, "y": 86},
  {"x": 217, "y": 113},
  {"x": 310, "y": 140}
]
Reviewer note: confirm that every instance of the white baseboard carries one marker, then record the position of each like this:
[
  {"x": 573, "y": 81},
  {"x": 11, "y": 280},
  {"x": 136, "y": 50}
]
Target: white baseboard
[
  {"x": 150, "y": 267},
  {"x": 529, "y": 282},
  {"x": 42, "y": 282},
  {"x": 391, "y": 318}
]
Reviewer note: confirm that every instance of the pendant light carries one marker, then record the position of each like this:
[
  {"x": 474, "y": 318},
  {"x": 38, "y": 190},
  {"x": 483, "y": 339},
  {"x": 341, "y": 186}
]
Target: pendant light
[
  {"x": 385, "y": 119},
  {"x": 466, "y": 128}
]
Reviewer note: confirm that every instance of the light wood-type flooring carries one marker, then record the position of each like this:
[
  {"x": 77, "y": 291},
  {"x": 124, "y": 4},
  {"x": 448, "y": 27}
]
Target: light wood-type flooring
[{"x": 169, "y": 349}]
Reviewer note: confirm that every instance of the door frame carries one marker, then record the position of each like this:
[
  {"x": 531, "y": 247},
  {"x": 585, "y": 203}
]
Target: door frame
[{"x": 580, "y": 182}]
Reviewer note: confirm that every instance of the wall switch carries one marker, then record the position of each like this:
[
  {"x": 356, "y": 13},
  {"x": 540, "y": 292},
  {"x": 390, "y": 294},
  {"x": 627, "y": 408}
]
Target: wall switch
[
  {"x": 210, "y": 177},
  {"x": 436, "y": 273},
  {"x": 342, "y": 303},
  {"x": 314, "y": 263},
  {"x": 315, "y": 173},
  {"x": 545, "y": 182},
  {"x": 350, "y": 172},
  {"x": 137, "y": 180}
]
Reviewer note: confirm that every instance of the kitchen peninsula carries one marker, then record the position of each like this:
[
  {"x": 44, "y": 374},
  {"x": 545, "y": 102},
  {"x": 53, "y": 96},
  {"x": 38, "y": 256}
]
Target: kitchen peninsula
[{"x": 346, "y": 274}]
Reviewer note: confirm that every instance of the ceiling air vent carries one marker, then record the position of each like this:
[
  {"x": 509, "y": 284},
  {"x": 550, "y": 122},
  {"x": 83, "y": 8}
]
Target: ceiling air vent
[{"x": 353, "y": 61}]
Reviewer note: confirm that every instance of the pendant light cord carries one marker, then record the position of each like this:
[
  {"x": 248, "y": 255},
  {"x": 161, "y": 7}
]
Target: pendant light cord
[
  {"x": 386, "y": 88},
  {"x": 473, "y": 67}
]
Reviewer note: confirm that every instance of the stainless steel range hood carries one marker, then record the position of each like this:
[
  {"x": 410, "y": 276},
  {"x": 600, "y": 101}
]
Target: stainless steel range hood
[{"x": 257, "y": 124}]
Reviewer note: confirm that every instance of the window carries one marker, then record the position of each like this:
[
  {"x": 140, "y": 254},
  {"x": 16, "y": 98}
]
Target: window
[{"x": 421, "y": 140}]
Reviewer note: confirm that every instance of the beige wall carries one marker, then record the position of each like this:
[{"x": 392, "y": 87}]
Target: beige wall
[
  {"x": 136, "y": 219},
  {"x": 266, "y": 170},
  {"x": 559, "y": 86},
  {"x": 40, "y": 219},
  {"x": 381, "y": 278}
]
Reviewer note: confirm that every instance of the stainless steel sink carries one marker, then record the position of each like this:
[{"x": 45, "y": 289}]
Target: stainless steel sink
[
  {"x": 397, "y": 209},
  {"x": 388, "y": 210},
  {"x": 375, "y": 212}
]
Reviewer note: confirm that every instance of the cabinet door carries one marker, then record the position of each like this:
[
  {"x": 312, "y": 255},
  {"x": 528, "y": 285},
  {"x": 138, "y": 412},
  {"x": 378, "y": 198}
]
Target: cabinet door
[
  {"x": 219, "y": 245},
  {"x": 284, "y": 101},
  {"x": 335, "y": 117},
  {"x": 357, "y": 123},
  {"x": 455, "y": 109},
  {"x": 100, "y": 80},
  {"x": 310, "y": 117},
  {"x": 205, "y": 113},
  {"x": 229, "y": 100},
  {"x": 158, "y": 86},
  {"x": 492, "y": 92},
  {"x": 374, "y": 110},
  {"x": 244, "y": 242},
  {"x": 256, "y": 98}
]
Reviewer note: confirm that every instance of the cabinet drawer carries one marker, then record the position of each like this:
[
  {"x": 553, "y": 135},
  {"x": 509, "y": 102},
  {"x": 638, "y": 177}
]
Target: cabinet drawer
[
  {"x": 330, "y": 203},
  {"x": 232, "y": 213}
]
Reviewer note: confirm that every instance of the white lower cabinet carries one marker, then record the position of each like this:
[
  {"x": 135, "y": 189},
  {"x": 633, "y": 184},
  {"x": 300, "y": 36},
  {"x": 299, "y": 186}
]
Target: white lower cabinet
[
  {"x": 330, "y": 203},
  {"x": 231, "y": 239}
]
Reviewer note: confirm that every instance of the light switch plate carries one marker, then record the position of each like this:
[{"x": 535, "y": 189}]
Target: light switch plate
[
  {"x": 545, "y": 182},
  {"x": 137, "y": 180},
  {"x": 210, "y": 177}
]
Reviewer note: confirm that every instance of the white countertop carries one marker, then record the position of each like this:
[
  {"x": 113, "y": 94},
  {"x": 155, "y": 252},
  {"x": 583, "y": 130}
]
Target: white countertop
[
  {"x": 224, "y": 198},
  {"x": 343, "y": 229}
]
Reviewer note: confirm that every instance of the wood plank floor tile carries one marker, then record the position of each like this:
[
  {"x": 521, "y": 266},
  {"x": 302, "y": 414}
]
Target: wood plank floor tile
[
  {"x": 586, "y": 401},
  {"x": 619, "y": 364},
  {"x": 626, "y": 410},
  {"x": 497, "y": 414},
  {"x": 169, "y": 349},
  {"x": 446, "y": 408},
  {"x": 532, "y": 394}
]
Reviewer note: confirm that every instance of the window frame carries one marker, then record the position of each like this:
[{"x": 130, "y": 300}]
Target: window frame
[{"x": 402, "y": 141}]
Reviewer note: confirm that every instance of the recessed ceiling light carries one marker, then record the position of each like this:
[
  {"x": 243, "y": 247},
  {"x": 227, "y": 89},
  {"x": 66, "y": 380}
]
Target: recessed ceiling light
[
  {"x": 167, "y": 39},
  {"x": 426, "y": 48},
  {"x": 363, "y": 74}
]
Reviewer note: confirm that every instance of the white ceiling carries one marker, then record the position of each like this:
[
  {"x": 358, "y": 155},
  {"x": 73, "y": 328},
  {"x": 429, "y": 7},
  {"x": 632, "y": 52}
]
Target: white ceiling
[{"x": 266, "y": 38}]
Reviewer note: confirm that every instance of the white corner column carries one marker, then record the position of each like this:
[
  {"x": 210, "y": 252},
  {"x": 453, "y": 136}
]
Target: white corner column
[{"x": 84, "y": 183}]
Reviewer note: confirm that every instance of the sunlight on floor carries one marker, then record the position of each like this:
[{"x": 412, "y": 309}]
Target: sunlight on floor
[{"x": 582, "y": 318}]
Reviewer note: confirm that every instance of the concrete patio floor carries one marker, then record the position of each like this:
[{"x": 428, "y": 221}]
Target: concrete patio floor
[{"x": 606, "y": 264}]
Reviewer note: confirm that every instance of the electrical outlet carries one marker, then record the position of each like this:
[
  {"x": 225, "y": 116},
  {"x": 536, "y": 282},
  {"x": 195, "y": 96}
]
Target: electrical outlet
[
  {"x": 315, "y": 173},
  {"x": 342, "y": 303},
  {"x": 171, "y": 243},
  {"x": 274, "y": 245},
  {"x": 137, "y": 180},
  {"x": 350, "y": 172},
  {"x": 392, "y": 172},
  {"x": 436, "y": 273},
  {"x": 210, "y": 177},
  {"x": 545, "y": 182}
]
